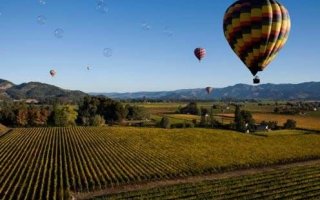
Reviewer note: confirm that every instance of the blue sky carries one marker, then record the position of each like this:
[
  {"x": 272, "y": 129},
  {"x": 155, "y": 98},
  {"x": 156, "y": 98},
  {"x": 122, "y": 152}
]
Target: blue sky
[{"x": 143, "y": 60}]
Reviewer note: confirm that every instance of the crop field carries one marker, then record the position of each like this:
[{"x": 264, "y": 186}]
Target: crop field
[
  {"x": 49, "y": 163},
  {"x": 180, "y": 118},
  {"x": 3, "y": 129},
  {"x": 158, "y": 110},
  {"x": 305, "y": 122},
  {"x": 292, "y": 183}
]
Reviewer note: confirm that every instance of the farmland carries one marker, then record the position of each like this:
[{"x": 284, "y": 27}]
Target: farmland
[
  {"x": 290, "y": 183},
  {"x": 304, "y": 122},
  {"x": 263, "y": 112},
  {"x": 51, "y": 163},
  {"x": 3, "y": 130}
]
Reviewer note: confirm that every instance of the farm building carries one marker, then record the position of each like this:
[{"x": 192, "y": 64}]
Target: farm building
[{"x": 262, "y": 128}]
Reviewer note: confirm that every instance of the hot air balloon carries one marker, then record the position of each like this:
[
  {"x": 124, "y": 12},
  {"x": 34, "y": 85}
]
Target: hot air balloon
[
  {"x": 256, "y": 31},
  {"x": 53, "y": 72},
  {"x": 200, "y": 53},
  {"x": 209, "y": 90},
  {"x": 88, "y": 67}
]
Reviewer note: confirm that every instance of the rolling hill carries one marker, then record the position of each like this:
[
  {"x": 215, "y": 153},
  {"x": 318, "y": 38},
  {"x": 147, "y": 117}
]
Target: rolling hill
[{"x": 36, "y": 90}]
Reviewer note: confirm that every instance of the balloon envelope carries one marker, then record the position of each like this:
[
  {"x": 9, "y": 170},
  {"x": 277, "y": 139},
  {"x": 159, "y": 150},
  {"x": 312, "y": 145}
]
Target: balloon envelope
[
  {"x": 209, "y": 90},
  {"x": 200, "y": 53},
  {"x": 256, "y": 31},
  {"x": 53, "y": 73}
]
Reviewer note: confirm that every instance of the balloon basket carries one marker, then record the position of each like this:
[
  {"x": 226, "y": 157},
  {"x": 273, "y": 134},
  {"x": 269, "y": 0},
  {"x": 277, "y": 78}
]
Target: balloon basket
[{"x": 256, "y": 81}]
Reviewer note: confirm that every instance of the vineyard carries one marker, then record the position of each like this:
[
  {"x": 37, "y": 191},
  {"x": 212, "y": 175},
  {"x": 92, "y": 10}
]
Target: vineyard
[
  {"x": 293, "y": 183},
  {"x": 51, "y": 163}
]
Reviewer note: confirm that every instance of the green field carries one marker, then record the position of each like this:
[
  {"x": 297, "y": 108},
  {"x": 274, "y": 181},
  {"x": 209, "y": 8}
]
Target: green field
[
  {"x": 49, "y": 163},
  {"x": 291, "y": 183}
]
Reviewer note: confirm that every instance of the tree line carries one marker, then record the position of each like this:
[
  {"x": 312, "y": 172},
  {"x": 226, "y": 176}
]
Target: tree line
[
  {"x": 243, "y": 119},
  {"x": 91, "y": 111}
]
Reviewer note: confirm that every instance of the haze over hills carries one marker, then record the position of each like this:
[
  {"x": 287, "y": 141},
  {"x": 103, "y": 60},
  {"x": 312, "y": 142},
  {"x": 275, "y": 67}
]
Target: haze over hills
[
  {"x": 41, "y": 91},
  {"x": 36, "y": 90},
  {"x": 303, "y": 91}
]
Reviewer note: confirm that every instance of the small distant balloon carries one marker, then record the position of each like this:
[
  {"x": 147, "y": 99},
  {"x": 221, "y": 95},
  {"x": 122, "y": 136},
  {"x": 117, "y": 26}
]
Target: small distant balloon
[
  {"x": 53, "y": 72},
  {"x": 145, "y": 26},
  {"x": 101, "y": 6},
  {"x": 107, "y": 52},
  {"x": 88, "y": 68},
  {"x": 200, "y": 53},
  {"x": 42, "y": 2},
  {"x": 58, "y": 33},
  {"x": 209, "y": 90},
  {"x": 168, "y": 32},
  {"x": 41, "y": 19}
]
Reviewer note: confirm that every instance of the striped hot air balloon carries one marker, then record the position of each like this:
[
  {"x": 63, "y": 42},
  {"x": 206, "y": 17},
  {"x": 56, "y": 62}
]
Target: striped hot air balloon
[
  {"x": 200, "y": 53},
  {"x": 256, "y": 31}
]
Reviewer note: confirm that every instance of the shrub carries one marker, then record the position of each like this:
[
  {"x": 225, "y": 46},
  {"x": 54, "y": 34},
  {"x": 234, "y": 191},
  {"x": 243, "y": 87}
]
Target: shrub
[
  {"x": 273, "y": 125},
  {"x": 290, "y": 124},
  {"x": 191, "y": 108},
  {"x": 98, "y": 120},
  {"x": 189, "y": 125},
  {"x": 165, "y": 123},
  {"x": 194, "y": 121}
]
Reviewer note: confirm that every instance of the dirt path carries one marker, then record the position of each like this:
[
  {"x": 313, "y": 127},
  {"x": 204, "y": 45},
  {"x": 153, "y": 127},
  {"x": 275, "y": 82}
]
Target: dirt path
[{"x": 192, "y": 179}]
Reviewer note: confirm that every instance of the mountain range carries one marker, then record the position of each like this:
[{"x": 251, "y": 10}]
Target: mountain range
[
  {"x": 41, "y": 91},
  {"x": 303, "y": 91}
]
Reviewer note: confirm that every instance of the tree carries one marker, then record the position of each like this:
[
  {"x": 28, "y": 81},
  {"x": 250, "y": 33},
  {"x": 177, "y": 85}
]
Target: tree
[
  {"x": 64, "y": 115},
  {"x": 191, "y": 108},
  {"x": 290, "y": 124},
  {"x": 248, "y": 120},
  {"x": 237, "y": 114},
  {"x": 119, "y": 111},
  {"x": 7, "y": 116},
  {"x": 97, "y": 120},
  {"x": 243, "y": 120},
  {"x": 109, "y": 109},
  {"x": 165, "y": 123},
  {"x": 34, "y": 116},
  {"x": 71, "y": 114},
  {"x": 21, "y": 116},
  {"x": 136, "y": 113},
  {"x": 238, "y": 120},
  {"x": 273, "y": 125},
  {"x": 88, "y": 108}
]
